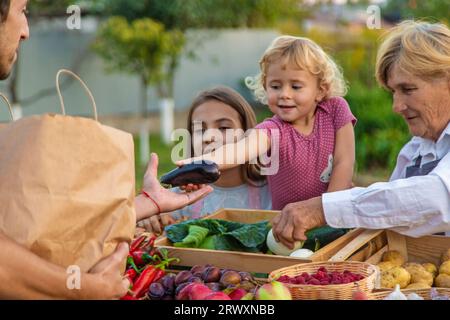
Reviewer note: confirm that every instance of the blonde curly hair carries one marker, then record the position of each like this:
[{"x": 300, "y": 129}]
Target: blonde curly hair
[
  {"x": 419, "y": 48},
  {"x": 304, "y": 54}
]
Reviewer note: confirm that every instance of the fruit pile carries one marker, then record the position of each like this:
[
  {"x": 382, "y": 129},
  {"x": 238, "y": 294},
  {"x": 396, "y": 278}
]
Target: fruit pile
[
  {"x": 322, "y": 277},
  {"x": 204, "y": 282}
]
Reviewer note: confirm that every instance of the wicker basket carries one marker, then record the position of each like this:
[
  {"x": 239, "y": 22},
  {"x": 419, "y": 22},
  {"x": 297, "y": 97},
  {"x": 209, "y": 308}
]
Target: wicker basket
[
  {"x": 332, "y": 291},
  {"x": 424, "y": 293}
]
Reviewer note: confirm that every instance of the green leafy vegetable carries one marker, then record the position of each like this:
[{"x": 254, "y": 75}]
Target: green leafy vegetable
[
  {"x": 195, "y": 237},
  {"x": 222, "y": 235},
  {"x": 209, "y": 243}
]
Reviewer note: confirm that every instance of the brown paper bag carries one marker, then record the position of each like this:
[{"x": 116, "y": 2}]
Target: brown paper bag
[{"x": 66, "y": 187}]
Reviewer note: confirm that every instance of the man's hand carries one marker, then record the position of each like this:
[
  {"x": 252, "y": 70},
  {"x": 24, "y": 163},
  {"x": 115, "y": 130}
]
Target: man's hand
[
  {"x": 167, "y": 200},
  {"x": 105, "y": 278},
  {"x": 297, "y": 218}
]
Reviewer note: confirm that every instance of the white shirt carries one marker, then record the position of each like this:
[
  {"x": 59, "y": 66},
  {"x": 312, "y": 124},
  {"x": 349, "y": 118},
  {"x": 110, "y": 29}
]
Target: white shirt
[
  {"x": 414, "y": 206},
  {"x": 242, "y": 197}
]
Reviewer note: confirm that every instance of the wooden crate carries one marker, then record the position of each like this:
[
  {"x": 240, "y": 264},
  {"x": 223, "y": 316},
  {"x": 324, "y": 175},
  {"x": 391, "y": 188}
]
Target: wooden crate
[
  {"x": 370, "y": 245},
  {"x": 243, "y": 261}
]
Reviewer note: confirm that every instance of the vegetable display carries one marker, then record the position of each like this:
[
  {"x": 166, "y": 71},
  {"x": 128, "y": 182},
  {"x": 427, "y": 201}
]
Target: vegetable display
[{"x": 216, "y": 234}]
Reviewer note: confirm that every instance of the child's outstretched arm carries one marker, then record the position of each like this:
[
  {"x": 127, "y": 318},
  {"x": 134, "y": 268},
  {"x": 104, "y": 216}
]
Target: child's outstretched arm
[
  {"x": 254, "y": 144},
  {"x": 344, "y": 159}
]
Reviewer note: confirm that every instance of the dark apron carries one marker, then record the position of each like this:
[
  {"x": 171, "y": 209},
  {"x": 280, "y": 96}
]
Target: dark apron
[{"x": 418, "y": 170}]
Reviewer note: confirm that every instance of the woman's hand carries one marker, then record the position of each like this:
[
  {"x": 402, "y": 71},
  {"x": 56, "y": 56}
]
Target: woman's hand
[{"x": 164, "y": 199}]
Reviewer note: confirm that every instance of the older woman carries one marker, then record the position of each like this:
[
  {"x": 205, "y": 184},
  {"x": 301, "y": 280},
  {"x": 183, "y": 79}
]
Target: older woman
[{"x": 413, "y": 63}]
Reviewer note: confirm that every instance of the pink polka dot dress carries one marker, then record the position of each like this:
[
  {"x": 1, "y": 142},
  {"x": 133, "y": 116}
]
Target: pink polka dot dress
[{"x": 305, "y": 162}]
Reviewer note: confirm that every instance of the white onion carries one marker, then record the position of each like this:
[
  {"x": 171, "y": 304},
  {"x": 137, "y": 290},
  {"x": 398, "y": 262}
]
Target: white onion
[
  {"x": 302, "y": 253},
  {"x": 278, "y": 248}
]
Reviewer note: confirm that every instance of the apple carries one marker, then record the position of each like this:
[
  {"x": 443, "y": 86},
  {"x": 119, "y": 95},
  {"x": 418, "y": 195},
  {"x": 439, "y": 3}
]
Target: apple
[{"x": 273, "y": 291}]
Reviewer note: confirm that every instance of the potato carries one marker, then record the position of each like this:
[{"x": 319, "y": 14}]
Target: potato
[
  {"x": 394, "y": 256},
  {"x": 431, "y": 268},
  {"x": 443, "y": 280},
  {"x": 445, "y": 256},
  {"x": 419, "y": 274},
  {"x": 418, "y": 285},
  {"x": 385, "y": 265},
  {"x": 445, "y": 268},
  {"x": 396, "y": 275}
]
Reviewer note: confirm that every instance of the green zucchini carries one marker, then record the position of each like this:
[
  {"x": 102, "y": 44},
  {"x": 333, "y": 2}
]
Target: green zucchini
[{"x": 320, "y": 237}]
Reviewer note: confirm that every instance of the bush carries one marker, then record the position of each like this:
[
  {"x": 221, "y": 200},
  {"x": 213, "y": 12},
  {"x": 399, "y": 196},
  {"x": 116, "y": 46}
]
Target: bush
[{"x": 380, "y": 133}]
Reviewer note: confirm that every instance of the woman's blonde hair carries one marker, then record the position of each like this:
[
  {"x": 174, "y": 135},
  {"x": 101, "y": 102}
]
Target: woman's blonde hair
[
  {"x": 417, "y": 47},
  {"x": 250, "y": 172},
  {"x": 304, "y": 54}
]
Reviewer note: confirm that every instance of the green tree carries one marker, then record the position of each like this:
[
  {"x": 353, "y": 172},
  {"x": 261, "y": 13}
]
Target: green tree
[
  {"x": 141, "y": 47},
  {"x": 180, "y": 15}
]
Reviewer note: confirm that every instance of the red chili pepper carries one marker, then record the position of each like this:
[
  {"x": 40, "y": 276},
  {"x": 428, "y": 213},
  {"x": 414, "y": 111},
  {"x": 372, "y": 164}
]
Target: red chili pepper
[
  {"x": 141, "y": 257},
  {"x": 144, "y": 281},
  {"x": 156, "y": 253},
  {"x": 128, "y": 297},
  {"x": 130, "y": 263},
  {"x": 131, "y": 274},
  {"x": 143, "y": 242},
  {"x": 149, "y": 245},
  {"x": 137, "y": 242},
  {"x": 151, "y": 240},
  {"x": 159, "y": 274}
]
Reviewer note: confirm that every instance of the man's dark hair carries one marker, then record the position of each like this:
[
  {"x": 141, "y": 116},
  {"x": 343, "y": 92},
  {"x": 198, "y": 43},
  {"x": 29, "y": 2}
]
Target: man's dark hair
[{"x": 4, "y": 9}]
